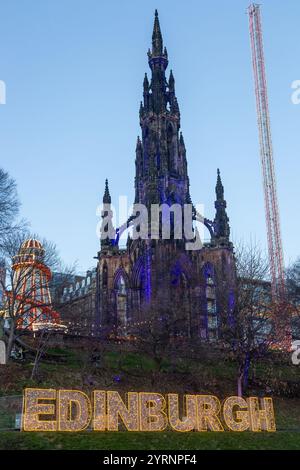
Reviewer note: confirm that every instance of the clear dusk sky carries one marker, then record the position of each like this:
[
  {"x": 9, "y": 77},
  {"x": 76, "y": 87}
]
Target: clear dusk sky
[{"x": 74, "y": 71}]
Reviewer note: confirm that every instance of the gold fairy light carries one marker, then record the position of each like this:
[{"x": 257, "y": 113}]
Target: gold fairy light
[
  {"x": 152, "y": 412},
  {"x": 208, "y": 410},
  {"x": 238, "y": 420},
  {"x": 188, "y": 422},
  {"x": 35, "y": 413},
  {"x": 262, "y": 416},
  {"x": 99, "y": 410},
  {"x": 74, "y": 410},
  {"x": 116, "y": 408}
]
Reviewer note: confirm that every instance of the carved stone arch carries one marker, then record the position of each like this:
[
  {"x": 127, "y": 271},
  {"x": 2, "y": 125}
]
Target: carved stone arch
[
  {"x": 206, "y": 222},
  {"x": 138, "y": 279},
  {"x": 120, "y": 272},
  {"x": 137, "y": 272},
  {"x": 120, "y": 230},
  {"x": 170, "y": 145},
  {"x": 121, "y": 286},
  {"x": 210, "y": 301},
  {"x": 104, "y": 274},
  {"x": 208, "y": 270},
  {"x": 181, "y": 286}
]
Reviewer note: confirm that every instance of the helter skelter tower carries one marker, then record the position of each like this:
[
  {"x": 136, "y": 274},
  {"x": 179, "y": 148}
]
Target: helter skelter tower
[
  {"x": 31, "y": 288},
  {"x": 266, "y": 152}
]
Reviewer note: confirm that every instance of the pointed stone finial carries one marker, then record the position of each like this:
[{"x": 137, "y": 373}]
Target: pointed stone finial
[
  {"x": 221, "y": 221},
  {"x": 175, "y": 106},
  {"x": 138, "y": 143},
  {"x": 106, "y": 197},
  {"x": 181, "y": 139},
  {"x": 141, "y": 111},
  {"x": 157, "y": 41},
  {"x": 219, "y": 187},
  {"x": 171, "y": 80},
  {"x": 146, "y": 84},
  {"x": 128, "y": 242}
]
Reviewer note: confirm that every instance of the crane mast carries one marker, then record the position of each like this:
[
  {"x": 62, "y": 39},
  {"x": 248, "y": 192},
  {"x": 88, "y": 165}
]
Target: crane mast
[{"x": 266, "y": 152}]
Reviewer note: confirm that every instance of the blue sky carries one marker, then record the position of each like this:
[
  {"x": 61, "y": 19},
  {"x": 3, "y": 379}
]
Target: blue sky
[{"x": 74, "y": 70}]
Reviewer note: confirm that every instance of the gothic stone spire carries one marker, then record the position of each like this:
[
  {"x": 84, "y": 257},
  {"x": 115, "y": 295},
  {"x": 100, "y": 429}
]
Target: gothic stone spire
[
  {"x": 161, "y": 170},
  {"x": 106, "y": 196},
  {"x": 221, "y": 222},
  {"x": 157, "y": 41}
]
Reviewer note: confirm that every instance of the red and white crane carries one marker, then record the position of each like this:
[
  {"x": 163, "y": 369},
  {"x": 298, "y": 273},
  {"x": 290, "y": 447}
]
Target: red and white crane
[{"x": 266, "y": 153}]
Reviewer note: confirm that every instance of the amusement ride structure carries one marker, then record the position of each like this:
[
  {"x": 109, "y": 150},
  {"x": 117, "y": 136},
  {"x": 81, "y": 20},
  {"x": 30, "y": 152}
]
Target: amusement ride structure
[
  {"x": 266, "y": 153},
  {"x": 283, "y": 310},
  {"x": 31, "y": 278}
]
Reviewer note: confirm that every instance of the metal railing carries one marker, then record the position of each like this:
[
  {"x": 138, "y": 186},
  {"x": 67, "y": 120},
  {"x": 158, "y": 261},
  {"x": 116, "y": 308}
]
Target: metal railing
[{"x": 10, "y": 412}]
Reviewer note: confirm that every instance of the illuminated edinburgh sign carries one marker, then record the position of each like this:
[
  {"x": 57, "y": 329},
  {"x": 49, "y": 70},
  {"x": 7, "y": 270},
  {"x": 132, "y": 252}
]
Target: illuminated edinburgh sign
[{"x": 73, "y": 411}]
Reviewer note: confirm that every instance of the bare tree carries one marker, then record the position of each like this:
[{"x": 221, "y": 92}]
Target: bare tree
[
  {"x": 43, "y": 338},
  {"x": 18, "y": 291},
  {"x": 293, "y": 292},
  {"x": 246, "y": 313},
  {"x": 9, "y": 205}
]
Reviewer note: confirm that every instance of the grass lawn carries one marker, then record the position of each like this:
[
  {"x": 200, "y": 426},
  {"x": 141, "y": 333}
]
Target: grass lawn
[
  {"x": 212, "y": 375},
  {"x": 149, "y": 441},
  {"x": 287, "y": 437}
]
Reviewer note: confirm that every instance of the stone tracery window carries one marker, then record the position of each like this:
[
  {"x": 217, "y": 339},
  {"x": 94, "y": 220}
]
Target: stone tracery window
[
  {"x": 121, "y": 301},
  {"x": 170, "y": 135},
  {"x": 211, "y": 305},
  {"x": 104, "y": 275}
]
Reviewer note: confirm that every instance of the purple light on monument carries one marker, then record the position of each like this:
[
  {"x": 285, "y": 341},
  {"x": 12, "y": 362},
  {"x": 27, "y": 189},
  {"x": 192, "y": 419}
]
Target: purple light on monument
[{"x": 148, "y": 274}]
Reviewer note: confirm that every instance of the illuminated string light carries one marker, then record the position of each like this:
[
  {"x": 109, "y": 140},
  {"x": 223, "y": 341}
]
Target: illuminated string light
[
  {"x": 116, "y": 408},
  {"x": 208, "y": 411},
  {"x": 153, "y": 416},
  {"x": 188, "y": 422},
  {"x": 262, "y": 416},
  {"x": 238, "y": 420},
  {"x": 99, "y": 408},
  {"x": 34, "y": 411},
  {"x": 73, "y": 411}
]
